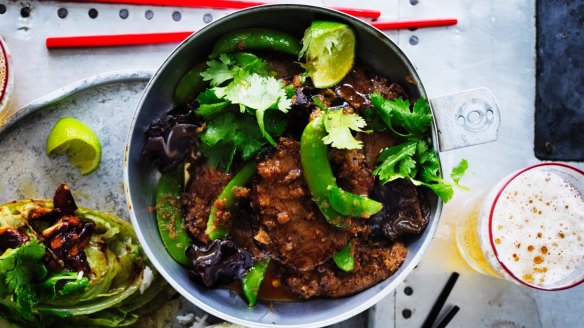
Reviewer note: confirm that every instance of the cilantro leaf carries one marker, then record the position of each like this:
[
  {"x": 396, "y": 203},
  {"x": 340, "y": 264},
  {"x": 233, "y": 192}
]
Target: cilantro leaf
[
  {"x": 458, "y": 172},
  {"x": 219, "y": 129},
  {"x": 416, "y": 161},
  {"x": 233, "y": 133},
  {"x": 220, "y": 155},
  {"x": 20, "y": 269},
  {"x": 234, "y": 66},
  {"x": 374, "y": 122},
  {"x": 396, "y": 114},
  {"x": 243, "y": 79},
  {"x": 218, "y": 71},
  {"x": 396, "y": 162},
  {"x": 338, "y": 126},
  {"x": 257, "y": 92},
  {"x": 207, "y": 111},
  {"x": 208, "y": 97}
]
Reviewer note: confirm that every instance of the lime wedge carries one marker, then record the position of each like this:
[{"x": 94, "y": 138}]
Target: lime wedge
[
  {"x": 329, "y": 48},
  {"x": 78, "y": 141}
]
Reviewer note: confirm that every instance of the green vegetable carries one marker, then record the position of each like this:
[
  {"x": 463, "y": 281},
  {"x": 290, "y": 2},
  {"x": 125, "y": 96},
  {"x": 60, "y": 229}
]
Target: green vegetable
[
  {"x": 412, "y": 159},
  {"x": 252, "y": 280},
  {"x": 397, "y": 162},
  {"x": 233, "y": 133},
  {"x": 321, "y": 181},
  {"x": 396, "y": 113},
  {"x": 429, "y": 175},
  {"x": 344, "y": 258},
  {"x": 190, "y": 85},
  {"x": 64, "y": 283},
  {"x": 317, "y": 170},
  {"x": 30, "y": 296},
  {"x": 352, "y": 205},
  {"x": 256, "y": 39},
  {"x": 338, "y": 126},
  {"x": 258, "y": 93},
  {"x": 417, "y": 162},
  {"x": 244, "y": 79},
  {"x": 374, "y": 122},
  {"x": 226, "y": 200},
  {"x": 20, "y": 270},
  {"x": 234, "y": 66},
  {"x": 170, "y": 216}
]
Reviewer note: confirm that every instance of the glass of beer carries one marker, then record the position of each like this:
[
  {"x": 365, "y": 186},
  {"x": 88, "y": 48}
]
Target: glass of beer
[
  {"x": 529, "y": 228},
  {"x": 6, "y": 81}
]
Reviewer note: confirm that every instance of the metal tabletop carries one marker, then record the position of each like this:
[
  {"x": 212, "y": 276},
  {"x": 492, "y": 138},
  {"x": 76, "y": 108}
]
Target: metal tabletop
[{"x": 492, "y": 46}]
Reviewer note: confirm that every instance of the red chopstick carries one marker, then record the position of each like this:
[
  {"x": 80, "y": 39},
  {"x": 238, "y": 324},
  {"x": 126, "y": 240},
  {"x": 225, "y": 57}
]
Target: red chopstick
[
  {"x": 415, "y": 23},
  {"x": 227, "y": 4},
  {"x": 175, "y": 37},
  {"x": 115, "y": 40}
]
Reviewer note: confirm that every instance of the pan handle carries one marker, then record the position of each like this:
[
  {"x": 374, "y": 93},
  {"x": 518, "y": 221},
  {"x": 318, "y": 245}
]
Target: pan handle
[{"x": 466, "y": 118}]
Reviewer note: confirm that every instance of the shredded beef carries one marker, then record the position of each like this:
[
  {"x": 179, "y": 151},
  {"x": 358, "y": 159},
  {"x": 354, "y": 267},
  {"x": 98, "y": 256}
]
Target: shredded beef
[
  {"x": 364, "y": 82},
  {"x": 291, "y": 227},
  {"x": 351, "y": 170},
  {"x": 373, "y": 263}
]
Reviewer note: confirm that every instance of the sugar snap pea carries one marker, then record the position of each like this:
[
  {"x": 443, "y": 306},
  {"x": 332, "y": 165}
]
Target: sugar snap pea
[
  {"x": 190, "y": 85},
  {"x": 252, "y": 281},
  {"x": 353, "y": 205},
  {"x": 170, "y": 216},
  {"x": 227, "y": 198},
  {"x": 344, "y": 258},
  {"x": 256, "y": 39},
  {"x": 317, "y": 170},
  {"x": 335, "y": 204}
]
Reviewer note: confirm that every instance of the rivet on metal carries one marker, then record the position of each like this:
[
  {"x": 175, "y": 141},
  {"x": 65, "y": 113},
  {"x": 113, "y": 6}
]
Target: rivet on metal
[
  {"x": 414, "y": 40},
  {"x": 124, "y": 13}
]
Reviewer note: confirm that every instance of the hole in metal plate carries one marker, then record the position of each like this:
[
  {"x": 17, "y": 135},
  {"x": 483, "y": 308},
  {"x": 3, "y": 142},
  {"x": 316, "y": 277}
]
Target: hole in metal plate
[
  {"x": 93, "y": 13},
  {"x": 62, "y": 12},
  {"x": 176, "y": 16},
  {"x": 124, "y": 13}
]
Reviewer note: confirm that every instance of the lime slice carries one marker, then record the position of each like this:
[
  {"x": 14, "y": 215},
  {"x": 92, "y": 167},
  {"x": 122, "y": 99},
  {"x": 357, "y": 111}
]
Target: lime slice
[
  {"x": 329, "y": 48},
  {"x": 78, "y": 141}
]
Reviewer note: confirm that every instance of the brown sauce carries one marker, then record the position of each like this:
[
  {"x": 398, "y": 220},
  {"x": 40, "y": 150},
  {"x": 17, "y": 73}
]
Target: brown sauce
[{"x": 269, "y": 291}]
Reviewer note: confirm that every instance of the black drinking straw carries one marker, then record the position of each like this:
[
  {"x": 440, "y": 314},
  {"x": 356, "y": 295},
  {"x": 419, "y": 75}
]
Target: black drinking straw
[
  {"x": 437, "y": 307},
  {"x": 448, "y": 317}
]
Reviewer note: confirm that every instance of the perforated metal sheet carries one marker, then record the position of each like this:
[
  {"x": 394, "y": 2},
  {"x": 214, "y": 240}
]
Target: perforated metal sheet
[{"x": 492, "y": 46}]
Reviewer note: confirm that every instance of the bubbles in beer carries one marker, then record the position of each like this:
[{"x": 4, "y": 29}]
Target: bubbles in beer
[{"x": 545, "y": 212}]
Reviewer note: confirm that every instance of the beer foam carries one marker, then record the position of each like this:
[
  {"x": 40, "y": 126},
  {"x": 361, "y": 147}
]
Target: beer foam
[
  {"x": 538, "y": 229},
  {"x": 3, "y": 75}
]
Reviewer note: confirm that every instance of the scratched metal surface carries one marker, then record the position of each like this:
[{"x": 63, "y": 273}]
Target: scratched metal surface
[{"x": 493, "y": 46}]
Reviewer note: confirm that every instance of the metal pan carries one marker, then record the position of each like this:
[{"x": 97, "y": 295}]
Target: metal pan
[{"x": 470, "y": 118}]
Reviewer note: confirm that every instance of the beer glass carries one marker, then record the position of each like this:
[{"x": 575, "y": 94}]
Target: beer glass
[{"x": 529, "y": 228}]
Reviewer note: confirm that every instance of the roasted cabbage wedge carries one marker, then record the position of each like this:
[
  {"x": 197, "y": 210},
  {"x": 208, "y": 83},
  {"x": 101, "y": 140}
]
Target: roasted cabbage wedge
[{"x": 68, "y": 266}]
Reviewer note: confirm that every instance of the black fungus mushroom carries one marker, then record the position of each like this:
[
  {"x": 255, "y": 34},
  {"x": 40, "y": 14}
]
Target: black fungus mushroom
[
  {"x": 222, "y": 262},
  {"x": 171, "y": 139},
  {"x": 403, "y": 213}
]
